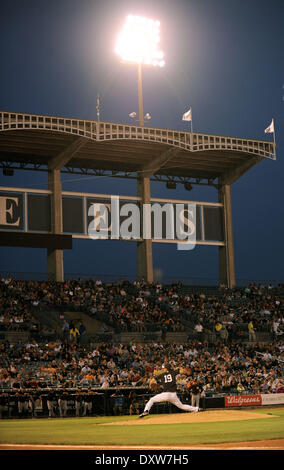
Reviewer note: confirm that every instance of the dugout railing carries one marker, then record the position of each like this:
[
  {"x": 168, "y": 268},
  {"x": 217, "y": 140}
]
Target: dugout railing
[{"x": 109, "y": 402}]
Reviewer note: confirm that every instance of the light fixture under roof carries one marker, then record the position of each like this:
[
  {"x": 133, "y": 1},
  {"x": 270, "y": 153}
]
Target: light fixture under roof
[{"x": 188, "y": 186}]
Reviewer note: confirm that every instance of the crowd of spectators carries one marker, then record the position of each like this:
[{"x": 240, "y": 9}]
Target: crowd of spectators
[
  {"x": 142, "y": 307},
  {"x": 64, "y": 362},
  {"x": 259, "y": 368}
]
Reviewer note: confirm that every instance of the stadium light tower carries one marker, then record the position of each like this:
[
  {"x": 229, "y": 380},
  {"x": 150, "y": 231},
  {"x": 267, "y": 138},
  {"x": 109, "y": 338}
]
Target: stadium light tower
[{"x": 138, "y": 43}]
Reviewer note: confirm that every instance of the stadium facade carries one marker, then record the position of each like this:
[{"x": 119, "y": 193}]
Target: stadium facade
[{"x": 60, "y": 144}]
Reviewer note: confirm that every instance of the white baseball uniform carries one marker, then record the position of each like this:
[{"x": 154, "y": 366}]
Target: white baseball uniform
[{"x": 168, "y": 382}]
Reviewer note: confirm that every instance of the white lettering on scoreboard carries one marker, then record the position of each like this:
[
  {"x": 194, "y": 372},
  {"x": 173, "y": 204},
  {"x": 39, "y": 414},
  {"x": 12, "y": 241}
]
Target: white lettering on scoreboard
[
  {"x": 7, "y": 211},
  {"x": 179, "y": 225},
  {"x": 106, "y": 217}
]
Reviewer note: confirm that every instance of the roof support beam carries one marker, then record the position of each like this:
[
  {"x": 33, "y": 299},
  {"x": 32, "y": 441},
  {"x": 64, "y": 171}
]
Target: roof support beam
[
  {"x": 232, "y": 175},
  {"x": 63, "y": 157},
  {"x": 155, "y": 165}
]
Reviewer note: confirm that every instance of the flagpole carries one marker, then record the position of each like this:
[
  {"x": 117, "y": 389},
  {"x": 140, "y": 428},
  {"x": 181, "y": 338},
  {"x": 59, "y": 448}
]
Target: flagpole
[
  {"x": 188, "y": 117},
  {"x": 98, "y": 107},
  {"x": 191, "y": 128},
  {"x": 271, "y": 130},
  {"x": 274, "y": 141},
  {"x": 98, "y": 117}
]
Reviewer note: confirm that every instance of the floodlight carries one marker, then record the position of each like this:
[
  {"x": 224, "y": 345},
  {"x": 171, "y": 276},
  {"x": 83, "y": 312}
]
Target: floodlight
[
  {"x": 146, "y": 117},
  {"x": 171, "y": 185},
  {"x": 8, "y": 171},
  {"x": 138, "y": 42},
  {"x": 188, "y": 186}
]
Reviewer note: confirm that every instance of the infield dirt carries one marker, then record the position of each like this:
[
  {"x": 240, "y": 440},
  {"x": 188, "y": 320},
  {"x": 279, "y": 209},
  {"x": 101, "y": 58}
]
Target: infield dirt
[{"x": 202, "y": 417}]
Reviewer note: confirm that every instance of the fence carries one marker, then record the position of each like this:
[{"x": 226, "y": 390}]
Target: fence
[
  {"x": 115, "y": 278},
  {"x": 118, "y": 401}
]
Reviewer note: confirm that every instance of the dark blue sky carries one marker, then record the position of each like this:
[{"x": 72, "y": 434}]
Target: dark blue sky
[{"x": 223, "y": 57}]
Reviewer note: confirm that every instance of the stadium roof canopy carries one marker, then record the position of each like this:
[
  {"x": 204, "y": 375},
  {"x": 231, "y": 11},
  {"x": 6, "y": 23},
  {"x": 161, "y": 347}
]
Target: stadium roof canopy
[{"x": 30, "y": 141}]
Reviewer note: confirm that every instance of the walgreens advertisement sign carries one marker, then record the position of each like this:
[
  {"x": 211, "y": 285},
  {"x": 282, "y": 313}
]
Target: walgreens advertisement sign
[
  {"x": 243, "y": 400},
  {"x": 254, "y": 400}
]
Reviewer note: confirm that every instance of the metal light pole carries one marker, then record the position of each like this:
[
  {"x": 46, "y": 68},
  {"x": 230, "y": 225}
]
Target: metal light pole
[
  {"x": 140, "y": 96},
  {"x": 138, "y": 43}
]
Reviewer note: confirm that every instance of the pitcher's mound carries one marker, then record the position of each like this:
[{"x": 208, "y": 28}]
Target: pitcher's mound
[{"x": 200, "y": 417}]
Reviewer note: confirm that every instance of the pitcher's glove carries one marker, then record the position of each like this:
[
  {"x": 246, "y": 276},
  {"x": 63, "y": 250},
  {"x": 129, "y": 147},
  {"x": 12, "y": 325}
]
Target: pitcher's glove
[{"x": 153, "y": 385}]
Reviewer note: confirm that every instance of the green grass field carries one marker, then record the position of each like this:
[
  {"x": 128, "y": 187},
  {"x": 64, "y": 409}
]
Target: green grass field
[{"x": 84, "y": 431}]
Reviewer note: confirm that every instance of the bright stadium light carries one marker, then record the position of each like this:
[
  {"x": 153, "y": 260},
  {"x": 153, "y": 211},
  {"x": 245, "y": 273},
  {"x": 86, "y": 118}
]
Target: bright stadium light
[
  {"x": 138, "y": 43},
  {"x": 139, "y": 40}
]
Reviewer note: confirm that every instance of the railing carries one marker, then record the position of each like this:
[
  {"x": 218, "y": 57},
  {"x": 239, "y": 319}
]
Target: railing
[
  {"x": 104, "y": 404},
  {"x": 104, "y": 131},
  {"x": 164, "y": 279}
]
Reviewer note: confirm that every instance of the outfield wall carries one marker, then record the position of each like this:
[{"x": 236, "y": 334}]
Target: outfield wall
[{"x": 104, "y": 402}]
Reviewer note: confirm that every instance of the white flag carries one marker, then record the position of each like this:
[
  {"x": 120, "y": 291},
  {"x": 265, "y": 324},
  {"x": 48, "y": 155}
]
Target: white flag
[
  {"x": 270, "y": 128},
  {"x": 187, "y": 116}
]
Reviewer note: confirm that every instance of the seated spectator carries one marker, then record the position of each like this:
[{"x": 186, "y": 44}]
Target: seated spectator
[
  {"x": 218, "y": 326},
  {"x": 240, "y": 387}
]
